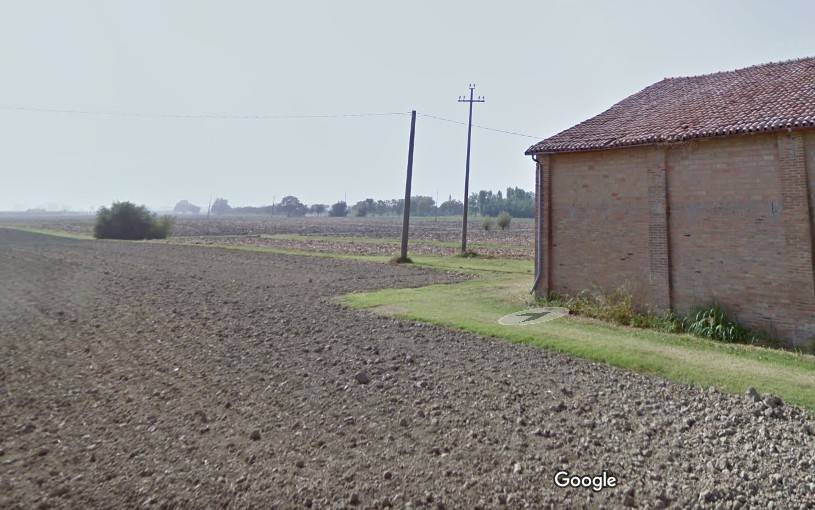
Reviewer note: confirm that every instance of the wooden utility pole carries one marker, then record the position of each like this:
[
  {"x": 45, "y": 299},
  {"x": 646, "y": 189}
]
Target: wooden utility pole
[
  {"x": 406, "y": 213},
  {"x": 463, "y": 99}
]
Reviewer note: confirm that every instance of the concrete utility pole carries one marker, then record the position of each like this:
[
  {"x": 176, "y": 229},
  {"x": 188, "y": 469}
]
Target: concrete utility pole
[
  {"x": 406, "y": 213},
  {"x": 463, "y": 99}
]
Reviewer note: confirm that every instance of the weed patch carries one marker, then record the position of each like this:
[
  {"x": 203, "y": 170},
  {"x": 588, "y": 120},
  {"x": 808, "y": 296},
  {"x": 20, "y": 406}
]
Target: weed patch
[{"x": 617, "y": 307}]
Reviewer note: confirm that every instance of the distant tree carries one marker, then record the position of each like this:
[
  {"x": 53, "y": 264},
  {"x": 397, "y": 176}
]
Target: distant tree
[
  {"x": 517, "y": 202},
  {"x": 339, "y": 209},
  {"x": 126, "y": 220},
  {"x": 419, "y": 206},
  {"x": 473, "y": 206},
  {"x": 386, "y": 207},
  {"x": 184, "y": 207},
  {"x": 422, "y": 206},
  {"x": 364, "y": 207},
  {"x": 291, "y": 206},
  {"x": 221, "y": 206},
  {"x": 318, "y": 209},
  {"x": 451, "y": 208}
]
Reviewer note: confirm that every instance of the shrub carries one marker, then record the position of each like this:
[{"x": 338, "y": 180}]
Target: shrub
[
  {"x": 487, "y": 223},
  {"x": 617, "y": 307},
  {"x": 126, "y": 220},
  {"x": 714, "y": 323},
  {"x": 667, "y": 322},
  {"x": 613, "y": 306},
  {"x": 503, "y": 220}
]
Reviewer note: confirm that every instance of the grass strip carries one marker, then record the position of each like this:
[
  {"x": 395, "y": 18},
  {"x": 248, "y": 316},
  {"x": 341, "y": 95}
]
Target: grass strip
[
  {"x": 477, "y": 305},
  {"x": 50, "y": 232}
]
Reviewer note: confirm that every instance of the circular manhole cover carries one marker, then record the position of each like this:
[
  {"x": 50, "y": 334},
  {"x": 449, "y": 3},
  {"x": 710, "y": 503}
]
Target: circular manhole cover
[{"x": 533, "y": 316}]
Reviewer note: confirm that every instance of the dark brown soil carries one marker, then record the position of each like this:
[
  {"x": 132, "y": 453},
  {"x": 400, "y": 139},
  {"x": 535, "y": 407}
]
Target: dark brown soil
[
  {"x": 355, "y": 246},
  {"x": 425, "y": 233},
  {"x": 140, "y": 375}
]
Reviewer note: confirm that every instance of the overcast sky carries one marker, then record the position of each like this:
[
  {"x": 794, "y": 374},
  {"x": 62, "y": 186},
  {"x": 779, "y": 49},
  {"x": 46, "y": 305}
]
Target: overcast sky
[{"x": 542, "y": 66}]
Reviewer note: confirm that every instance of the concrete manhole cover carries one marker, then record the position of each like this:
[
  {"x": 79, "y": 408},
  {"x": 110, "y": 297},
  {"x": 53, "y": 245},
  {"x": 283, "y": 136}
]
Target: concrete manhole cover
[{"x": 533, "y": 316}]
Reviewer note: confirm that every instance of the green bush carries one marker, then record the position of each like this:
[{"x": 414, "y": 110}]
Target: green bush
[
  {"x": 714, "y": 323},
  {"x": 617, "y": 307},
  {"x": 126, "y": 220},
  {"x": 487, "y": 224},
  {"x": 503, "y": 220}
]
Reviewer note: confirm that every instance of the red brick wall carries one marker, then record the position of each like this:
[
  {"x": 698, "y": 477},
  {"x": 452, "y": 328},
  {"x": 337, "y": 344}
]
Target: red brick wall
[
  {"x": 726, "y": 220},
  {"x": 599, "y": 222}
]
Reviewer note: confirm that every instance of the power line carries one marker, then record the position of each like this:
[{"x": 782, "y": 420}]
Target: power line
[
  {"x": 481, "y": 127},
  {"x": 226, "y": 116},
  {"x": 193, "y": 116}
]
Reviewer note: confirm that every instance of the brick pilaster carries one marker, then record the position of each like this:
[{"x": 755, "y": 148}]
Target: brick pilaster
[
  {"x": 537, "y": 214},
  {"x": 543, "y": 231},
  {"x": 659, "y": 253},
  {"x": 797, "y": 223}
]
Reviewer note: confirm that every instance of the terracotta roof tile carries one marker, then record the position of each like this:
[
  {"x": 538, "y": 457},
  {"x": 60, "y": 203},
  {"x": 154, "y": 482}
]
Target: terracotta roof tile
[{"x": 767, "y": 97}]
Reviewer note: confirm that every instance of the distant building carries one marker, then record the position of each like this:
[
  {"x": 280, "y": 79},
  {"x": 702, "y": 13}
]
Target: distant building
[{"x": 694, "y": 190}]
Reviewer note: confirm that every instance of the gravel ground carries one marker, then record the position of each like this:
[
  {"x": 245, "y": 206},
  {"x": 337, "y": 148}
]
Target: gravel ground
[{"x": 159, "y": 376}]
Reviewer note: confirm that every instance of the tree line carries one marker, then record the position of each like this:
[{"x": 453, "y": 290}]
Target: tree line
[{"x": 515, "y": 201}]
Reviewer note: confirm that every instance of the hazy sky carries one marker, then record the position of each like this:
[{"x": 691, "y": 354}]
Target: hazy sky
[{"x": 543, "y": 66}]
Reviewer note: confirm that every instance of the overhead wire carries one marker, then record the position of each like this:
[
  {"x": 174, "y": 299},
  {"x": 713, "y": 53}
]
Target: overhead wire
[
  {"x": 226, "y": 116},
  {"x": 217, "y": 116},
  {"x": 479, "y": 126}
]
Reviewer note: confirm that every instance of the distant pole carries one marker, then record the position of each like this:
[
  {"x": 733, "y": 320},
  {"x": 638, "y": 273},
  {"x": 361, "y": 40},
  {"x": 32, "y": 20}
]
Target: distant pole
[
  {"x": 209, "y": 208},
  {"x": 406, "y": 212},
  {"x": 463, "y": 99}
]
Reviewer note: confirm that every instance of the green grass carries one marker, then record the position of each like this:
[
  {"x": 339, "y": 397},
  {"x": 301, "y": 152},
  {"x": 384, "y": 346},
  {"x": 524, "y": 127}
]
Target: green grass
[
  {"x": 49, "y": 232},
  {"x": 477, "y": 305}
]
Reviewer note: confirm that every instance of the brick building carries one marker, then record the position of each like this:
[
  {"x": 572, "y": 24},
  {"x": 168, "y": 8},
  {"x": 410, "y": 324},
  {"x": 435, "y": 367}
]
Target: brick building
[{"x": 694, "y": 190}]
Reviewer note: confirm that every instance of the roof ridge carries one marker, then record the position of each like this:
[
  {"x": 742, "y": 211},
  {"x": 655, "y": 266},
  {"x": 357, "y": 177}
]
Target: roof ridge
[{"x": 739, "y": 69}]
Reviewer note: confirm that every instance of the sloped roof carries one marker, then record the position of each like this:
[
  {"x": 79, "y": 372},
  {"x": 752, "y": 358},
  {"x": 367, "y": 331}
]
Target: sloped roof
[{"x": 767, "y": 97}]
